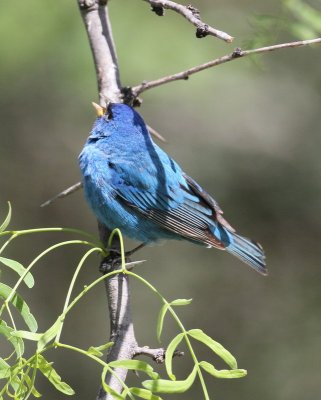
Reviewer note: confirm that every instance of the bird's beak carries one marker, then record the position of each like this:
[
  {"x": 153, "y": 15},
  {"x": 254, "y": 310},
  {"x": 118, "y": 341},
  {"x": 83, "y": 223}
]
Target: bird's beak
[{"x": 100, "y": 111}]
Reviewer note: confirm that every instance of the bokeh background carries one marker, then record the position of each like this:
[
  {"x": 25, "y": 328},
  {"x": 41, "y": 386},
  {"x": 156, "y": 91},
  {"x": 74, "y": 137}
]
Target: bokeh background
[{"x": 248, "y": 131}]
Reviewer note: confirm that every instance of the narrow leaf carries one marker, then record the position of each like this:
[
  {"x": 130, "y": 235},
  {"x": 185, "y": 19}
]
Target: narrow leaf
[
  {"x": 4, "y": 369},
  {"x": 16, "y": 342},
  {"x": 135, "y": 365},
  {"x": 160, "y": 321},
  {"x": 216, "y": 347},
  {"x": 7, "y": 220},
  {"x": 31, "y": 386},
  {"x": 27, "y": 335},
  {"x": 92, "y": 350},
  {"x": 49, "y": 335},
  {"x": 181, "y": 302},
  {"x": 223, "y": 373},
  {"x": 97, "y": 351},
  {"x": 20, "y": 305},
  {"x": 167, "y": 386},
  {"x": 143, "y": 393},
  {"x": 169, "y": 354},
  {"x": 20, "y": 270},
  {"x": 50, "y": 373}
]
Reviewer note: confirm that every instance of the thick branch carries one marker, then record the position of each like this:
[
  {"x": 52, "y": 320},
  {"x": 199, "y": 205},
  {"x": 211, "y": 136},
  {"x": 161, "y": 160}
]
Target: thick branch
[
  {"x": 95, "y": 16},
  {"x": 236, "y": 54},
  {"x": 192, "y": 15},
  {"x": 96, "y": 19}
]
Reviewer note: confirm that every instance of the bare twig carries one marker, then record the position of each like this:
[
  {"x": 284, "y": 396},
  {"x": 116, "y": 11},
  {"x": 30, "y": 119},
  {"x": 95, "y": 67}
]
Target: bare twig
[
  {"x": 147, "y": 85},
  {"x": 156, "y": 134},
  {"x": 63, "y": 194},
  {"x": 158, "y": 355},
  {"x": 96, "y": 19},
  {"x": 237, "y": 53},
  {"x": 192, "y": 15}
]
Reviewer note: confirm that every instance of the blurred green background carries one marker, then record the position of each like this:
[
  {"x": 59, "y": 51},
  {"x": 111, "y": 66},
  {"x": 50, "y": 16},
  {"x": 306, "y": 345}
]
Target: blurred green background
[{"x": 249, "y": 132}]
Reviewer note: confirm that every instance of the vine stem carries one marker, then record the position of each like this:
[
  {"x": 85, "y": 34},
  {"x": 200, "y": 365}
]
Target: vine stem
[
  {"x": 14, "y": 289},
  {"x": 72, "y": 284},
  {"x": 99, "y": 361},
  {"x": 180, "y": 325}
]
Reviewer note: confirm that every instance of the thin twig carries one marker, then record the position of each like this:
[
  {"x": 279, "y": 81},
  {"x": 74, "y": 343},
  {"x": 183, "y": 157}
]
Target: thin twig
[
  {"x": 64, "y": 193},
  {"x": 192, "y": 15},
  {"x": 156, "y": 134},
  {"x": 146, "y": 85},
  {"x": 237, "y": 53}
]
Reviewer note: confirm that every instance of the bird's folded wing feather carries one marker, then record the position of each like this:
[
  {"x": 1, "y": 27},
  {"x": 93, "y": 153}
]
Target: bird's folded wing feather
[{"x": 164, "y": 194}]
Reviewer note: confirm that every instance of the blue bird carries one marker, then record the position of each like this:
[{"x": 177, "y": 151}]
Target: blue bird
[{"x": 132, "y": 184}]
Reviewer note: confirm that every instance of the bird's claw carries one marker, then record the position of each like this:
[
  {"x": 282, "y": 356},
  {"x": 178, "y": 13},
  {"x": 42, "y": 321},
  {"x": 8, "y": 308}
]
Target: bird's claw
[{"x": 112, "y": 262}]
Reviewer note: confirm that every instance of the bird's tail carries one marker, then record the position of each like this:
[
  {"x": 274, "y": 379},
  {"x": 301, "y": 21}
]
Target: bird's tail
[{"x": 248, "y": 251}]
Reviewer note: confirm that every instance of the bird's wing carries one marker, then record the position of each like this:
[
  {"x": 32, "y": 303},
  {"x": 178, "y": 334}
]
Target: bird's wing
[{"x": 170, "y": 198}]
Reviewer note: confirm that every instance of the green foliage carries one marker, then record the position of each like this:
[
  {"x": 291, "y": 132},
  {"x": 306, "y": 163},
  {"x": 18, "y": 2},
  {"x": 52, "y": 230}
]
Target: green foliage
[
  {"x": 297, "y": 17},
  {"x": 19, "y": 374}
]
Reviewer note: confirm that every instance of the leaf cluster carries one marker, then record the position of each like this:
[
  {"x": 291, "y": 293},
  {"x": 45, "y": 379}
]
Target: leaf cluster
[{"x": 19, "y": 374}]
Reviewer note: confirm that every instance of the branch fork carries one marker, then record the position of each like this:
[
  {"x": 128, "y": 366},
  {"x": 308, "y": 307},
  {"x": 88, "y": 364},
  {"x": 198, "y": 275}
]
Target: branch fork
[
  {"x": 158, "y": 355},
  {"x": 192, "y": 15}
]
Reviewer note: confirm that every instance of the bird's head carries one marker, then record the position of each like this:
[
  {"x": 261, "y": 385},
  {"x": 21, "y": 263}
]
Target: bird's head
[{"x": 116, "y": 118}]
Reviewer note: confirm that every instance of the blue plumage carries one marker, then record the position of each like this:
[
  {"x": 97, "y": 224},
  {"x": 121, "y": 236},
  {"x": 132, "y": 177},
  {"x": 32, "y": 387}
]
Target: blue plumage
[{"x": 132, "y": 184}]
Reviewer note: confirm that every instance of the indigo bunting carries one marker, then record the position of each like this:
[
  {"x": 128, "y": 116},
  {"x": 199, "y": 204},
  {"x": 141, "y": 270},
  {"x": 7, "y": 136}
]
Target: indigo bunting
[{"x": 132, "y": 184}]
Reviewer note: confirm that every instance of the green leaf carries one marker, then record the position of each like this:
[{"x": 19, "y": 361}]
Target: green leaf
[
  {"x": 223, "y": 373},
  {"x": 4, "y": 369},
  {"x": 20, "y": 270},
  {"x": 143, "y": 393},
  {"x": 167, "y": 386},
  {"x": 305, "y": 13},
  {"x": 27, "y": 335},
  {"x": 181, "y": 302},
  {"x": 169, "y": 354},
  {"x": 50, "y": 373},
  {"x": 16, "y": 342},
  {"x": 107, "y": 388},
  {"x": 97, "y": 351},
  {"x": 20, "y": 305},
  {"x": 160, "y": 321},
  {"x": 216, "y": 347},
  {"x": 7, "y": 220},
  {"x": 163, "y": 311},
  {"x": 135, "y": 365},
  {"x": 49, "y": 335},
  {"x": 31, "y": 386}
]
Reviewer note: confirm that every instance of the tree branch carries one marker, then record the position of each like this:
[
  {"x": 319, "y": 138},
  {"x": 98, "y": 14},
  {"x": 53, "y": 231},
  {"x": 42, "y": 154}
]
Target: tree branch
[
  {"x": 135, "y": 91},
  {"x": 63, "y": 194},
  {"x": 192, "y": 15},
  {"x": 158, "y": 355},
  {"x": 96, "y": 20},
  {"x": 236, "y": 54},
  {"x": 98, "y": 28}
]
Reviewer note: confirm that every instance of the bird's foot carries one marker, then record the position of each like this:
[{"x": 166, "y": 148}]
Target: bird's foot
[{"x": 112, "y": 262}]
